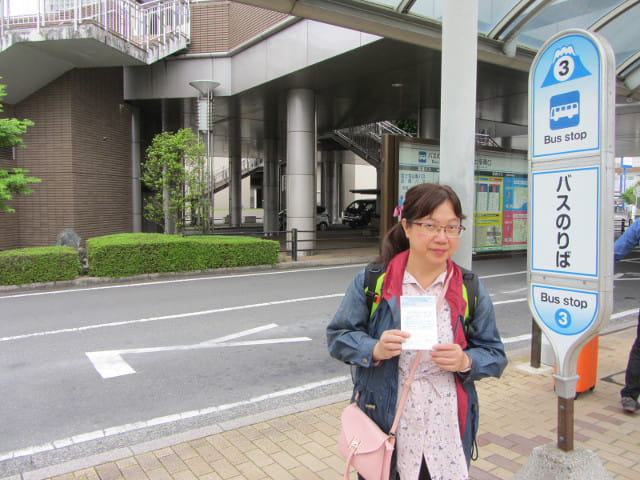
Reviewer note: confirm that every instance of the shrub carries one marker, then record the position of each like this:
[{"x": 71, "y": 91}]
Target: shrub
[
  {"x": 41, "y": 264},
  {"x": 138, "y": 253}
]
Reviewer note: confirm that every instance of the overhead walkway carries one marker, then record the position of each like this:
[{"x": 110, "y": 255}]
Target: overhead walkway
[{"x": 54, "y": 37}]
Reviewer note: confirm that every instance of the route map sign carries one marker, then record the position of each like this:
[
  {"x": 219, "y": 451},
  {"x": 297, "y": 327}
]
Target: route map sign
[{"x": 571, "y": 176}]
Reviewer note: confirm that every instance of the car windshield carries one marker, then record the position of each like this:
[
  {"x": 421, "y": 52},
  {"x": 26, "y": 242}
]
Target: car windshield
[{"x": 359, "y": 205}]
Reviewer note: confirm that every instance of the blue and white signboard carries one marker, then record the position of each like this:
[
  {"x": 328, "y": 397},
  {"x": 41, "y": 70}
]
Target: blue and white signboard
[
  {"x": 564, "y": 224},
  {"x": 571, "y": 174},
  {"x": 566, "y": 97}
]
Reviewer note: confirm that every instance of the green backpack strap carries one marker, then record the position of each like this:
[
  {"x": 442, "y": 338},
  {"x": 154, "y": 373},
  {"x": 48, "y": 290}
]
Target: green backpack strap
[
  {"x": 373, "y": 279},
  {"x": 470, "y": 294}
]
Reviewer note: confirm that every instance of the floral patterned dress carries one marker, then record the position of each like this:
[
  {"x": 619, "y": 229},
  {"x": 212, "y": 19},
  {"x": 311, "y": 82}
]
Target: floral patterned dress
[{"x": 428, "y": 426}]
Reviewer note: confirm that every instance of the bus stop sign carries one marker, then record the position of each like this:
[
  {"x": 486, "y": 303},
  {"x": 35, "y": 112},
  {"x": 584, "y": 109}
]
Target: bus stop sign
[{"x": 571, "y": 177}]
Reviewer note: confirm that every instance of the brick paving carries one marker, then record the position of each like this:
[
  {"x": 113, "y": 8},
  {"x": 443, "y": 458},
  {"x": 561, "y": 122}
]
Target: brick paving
[{"x": 517, "y": 413}]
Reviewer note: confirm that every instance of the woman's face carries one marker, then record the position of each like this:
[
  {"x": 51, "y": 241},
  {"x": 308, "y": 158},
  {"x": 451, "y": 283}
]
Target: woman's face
[{"x": 433, "y": 248}]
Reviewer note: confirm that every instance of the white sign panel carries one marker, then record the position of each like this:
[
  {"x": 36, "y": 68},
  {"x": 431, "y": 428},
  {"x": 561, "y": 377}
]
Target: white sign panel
[
  {"x": 566, "y": 98},
  {"x": 564, "y": 221}
]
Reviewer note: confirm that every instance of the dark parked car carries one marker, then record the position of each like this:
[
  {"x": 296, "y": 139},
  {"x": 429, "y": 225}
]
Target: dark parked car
[
  {"x": 359, "y": 213},
  {"x": 322, "y": 218}
]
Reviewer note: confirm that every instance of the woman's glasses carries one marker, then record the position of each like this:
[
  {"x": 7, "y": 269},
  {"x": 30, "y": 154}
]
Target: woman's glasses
[{"x": 431, "y": 229}]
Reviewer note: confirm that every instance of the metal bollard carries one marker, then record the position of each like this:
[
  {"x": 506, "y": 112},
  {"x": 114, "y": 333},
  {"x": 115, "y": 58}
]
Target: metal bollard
[
  {"x": 536, "y": 344},
  {"x": 294, "y": 244}
]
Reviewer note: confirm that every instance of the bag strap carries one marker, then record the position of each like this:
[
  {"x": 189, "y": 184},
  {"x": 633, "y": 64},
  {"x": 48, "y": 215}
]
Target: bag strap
[
  {"x": 470, "y": 292},
  {"x": 373, "y": 277},
  {"x": 405, "y": 393}
]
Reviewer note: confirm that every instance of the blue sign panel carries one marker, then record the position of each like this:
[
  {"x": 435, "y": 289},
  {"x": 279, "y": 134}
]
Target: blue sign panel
[
  {"x": 566, "y": 98},
  {"x": 565, "y": 110},
  {"x": 565, "y": 311}
]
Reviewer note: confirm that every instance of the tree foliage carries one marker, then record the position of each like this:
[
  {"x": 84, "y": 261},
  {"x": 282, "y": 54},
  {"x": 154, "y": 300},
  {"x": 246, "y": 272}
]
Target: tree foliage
[
  {"x": 176, "y": 162},
  {"x": 15, "y": 181},
  {"x": 629, "y": 196}
]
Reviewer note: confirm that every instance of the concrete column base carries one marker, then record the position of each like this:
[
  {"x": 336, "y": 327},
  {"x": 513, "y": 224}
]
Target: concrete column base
[{"x": 548, "y": 462}]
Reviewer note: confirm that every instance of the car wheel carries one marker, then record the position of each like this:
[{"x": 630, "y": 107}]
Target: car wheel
[{"x": 322, "y": 226}]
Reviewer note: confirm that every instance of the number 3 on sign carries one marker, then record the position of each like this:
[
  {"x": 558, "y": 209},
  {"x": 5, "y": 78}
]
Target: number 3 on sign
[
  {"x": 563, "y": 318},
  {"x": 563, "y": 68}
]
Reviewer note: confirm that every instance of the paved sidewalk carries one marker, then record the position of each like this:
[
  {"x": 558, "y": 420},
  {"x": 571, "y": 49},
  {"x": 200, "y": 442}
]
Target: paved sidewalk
[{"x": 517, "y": 413}]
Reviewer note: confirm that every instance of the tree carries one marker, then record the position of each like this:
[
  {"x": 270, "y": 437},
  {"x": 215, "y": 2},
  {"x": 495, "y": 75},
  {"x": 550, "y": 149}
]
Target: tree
[
  {"x": 13, "y": 182},
  {"x": 629, "y": 196},
  {"x": 175, "y": 166}
]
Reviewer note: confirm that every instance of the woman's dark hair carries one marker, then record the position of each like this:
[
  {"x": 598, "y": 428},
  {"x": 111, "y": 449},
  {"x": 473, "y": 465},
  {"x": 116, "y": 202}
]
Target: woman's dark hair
[{"x": 419, "y": 201}]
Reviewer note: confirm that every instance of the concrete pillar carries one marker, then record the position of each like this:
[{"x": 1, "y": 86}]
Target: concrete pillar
[
  {"x": 328, "y": 183},
  {"x": 136, "y": 154},
  {"x": 458, "y": 114},
  {"x": 235, "y": 166},
  {"x": 336, "y": 199},
  {"x": 300, "y": 180},
  {"x": 270, "y": 185},
  {"x": 430, "y": 123}
]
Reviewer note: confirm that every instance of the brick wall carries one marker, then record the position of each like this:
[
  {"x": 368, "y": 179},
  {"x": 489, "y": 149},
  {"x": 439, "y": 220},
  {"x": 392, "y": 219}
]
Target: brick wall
[
  {"x": 209, "y": 27},
  {"x": 247, "y": 22},
  {"x": 101, "y": 131},
  {"x": 80, "y": 148},
  {"x": 219, "y": 26},
  {"x": 42, "y": 214},
  {"x": 9, "y": 234}
]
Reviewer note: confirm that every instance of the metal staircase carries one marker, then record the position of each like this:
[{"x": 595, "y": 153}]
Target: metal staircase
[
  {"x": 366, "y": 140},
  {"x": 249, "y": 167}
]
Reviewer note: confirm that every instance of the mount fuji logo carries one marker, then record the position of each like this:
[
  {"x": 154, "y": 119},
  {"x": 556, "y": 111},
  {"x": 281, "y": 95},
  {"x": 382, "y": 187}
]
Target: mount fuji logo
[{"x": 566, "y": 66}]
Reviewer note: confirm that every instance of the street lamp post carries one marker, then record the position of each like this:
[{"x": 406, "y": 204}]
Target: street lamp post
[{"x": 206, "y": 87}]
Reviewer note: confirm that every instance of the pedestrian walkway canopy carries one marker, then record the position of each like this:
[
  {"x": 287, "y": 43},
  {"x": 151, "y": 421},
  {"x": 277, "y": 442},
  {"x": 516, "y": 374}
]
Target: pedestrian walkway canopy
[
  {"x": 506, "y": 26},
  {"x": 509, "y": 34}
]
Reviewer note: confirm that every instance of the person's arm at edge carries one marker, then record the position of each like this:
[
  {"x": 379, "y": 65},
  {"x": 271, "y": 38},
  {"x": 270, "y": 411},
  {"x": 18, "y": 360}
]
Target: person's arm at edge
[{"x": 627, "y": 241}]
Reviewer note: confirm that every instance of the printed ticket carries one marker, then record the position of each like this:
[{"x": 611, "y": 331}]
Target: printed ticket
[{"x": 419, "y": 318}]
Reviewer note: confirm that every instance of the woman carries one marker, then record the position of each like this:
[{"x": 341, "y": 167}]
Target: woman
[{"x": 438, "y": 426}]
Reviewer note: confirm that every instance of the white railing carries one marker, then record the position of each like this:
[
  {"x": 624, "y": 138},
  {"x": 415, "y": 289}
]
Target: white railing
[
  {"x": 141, "y": 24},
  {"x": 222, "y": 174}
]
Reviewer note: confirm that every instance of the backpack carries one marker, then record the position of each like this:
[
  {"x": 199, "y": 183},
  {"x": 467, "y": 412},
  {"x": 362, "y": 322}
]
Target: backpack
[{"x": 374, "y": 278}]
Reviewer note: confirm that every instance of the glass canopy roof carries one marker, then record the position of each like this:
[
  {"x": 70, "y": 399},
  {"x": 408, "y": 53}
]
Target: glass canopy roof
[{"x": 528, "y": 23}]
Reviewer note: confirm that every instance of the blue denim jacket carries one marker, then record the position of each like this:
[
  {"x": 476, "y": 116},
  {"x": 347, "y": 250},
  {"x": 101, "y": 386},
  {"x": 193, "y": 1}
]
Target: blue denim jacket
[
  {"x": 627, "y": 242},
  {"x": 351, "y": 337}
]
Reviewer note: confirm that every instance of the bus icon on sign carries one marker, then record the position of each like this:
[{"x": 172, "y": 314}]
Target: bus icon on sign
[
  {"x": 422, "y": 156},
  {"x": 564, "y": 110}
]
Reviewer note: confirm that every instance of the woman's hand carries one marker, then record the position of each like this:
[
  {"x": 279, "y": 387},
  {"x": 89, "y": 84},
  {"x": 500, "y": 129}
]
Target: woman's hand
[
  {"x": 389, "y": 345},
  {"x": 450, "y": 357}
]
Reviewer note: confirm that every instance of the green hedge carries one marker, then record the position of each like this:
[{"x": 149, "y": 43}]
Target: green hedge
[
  {"x": 42, "y": 264},
  {"x": 138, "y": 253}
]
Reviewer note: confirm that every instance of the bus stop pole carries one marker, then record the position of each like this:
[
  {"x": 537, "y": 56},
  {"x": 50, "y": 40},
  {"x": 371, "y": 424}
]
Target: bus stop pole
[{"x": 458, "y": 111}]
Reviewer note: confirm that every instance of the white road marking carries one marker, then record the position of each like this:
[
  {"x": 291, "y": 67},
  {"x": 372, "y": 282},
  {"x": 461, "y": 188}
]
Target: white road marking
[
  {"x": 496, "y": 275},
  {"x": 181, "y": 280},
  {"x": 513, "y": 300},
  {"x": 200, "y": 279},
  {"x": 130, "y": 427},
  {"x": 519, "y": 338},
  {"x": 523, "y": 289},
  {"x": 110, "y": 364},
  {"x": 166, "y": 317}
]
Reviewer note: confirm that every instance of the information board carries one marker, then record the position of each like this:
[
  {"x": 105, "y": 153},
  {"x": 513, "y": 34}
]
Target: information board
[{"x": 501, "y": 196}]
